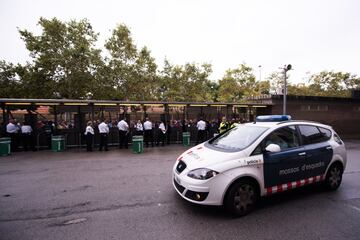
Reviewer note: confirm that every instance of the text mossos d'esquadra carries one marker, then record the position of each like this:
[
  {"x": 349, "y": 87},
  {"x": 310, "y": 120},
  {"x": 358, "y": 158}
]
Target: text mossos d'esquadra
[{"x": 304, "y": 167}]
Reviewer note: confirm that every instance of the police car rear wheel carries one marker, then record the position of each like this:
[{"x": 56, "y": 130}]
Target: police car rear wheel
[
  {"x": 241, "y": 198},
  {"x": 333, "y": 177}
]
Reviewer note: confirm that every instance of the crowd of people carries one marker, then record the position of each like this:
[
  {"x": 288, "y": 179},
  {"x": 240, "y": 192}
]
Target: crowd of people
[
  {"x": 24, "y": 133},
  {"x": 154, "y": 133}
]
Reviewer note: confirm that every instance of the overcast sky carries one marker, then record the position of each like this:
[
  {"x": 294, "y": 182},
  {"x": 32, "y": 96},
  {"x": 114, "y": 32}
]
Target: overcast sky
[{"x": 312, "y": 35}]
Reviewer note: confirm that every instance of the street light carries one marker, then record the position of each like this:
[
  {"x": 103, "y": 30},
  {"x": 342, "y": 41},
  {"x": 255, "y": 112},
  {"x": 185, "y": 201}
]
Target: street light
[
  {"x": 259, "y": 73},
  {"x": 286, "y": 69}
]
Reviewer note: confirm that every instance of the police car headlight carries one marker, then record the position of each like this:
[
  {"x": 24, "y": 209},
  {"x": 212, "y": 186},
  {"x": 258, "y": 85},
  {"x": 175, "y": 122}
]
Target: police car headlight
[{"x": 202, "y": 173}]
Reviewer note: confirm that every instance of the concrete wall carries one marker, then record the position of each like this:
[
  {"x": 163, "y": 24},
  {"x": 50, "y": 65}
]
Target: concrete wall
[{"x": 343, "y": 114}]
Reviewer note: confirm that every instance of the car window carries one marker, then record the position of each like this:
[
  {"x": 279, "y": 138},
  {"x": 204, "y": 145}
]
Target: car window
[
  {"x": 312, "y": 134},
  {"x": 326, "y": 133},
  {"x": 286, "y": 137},
  {"x": 238, "y": 138}
]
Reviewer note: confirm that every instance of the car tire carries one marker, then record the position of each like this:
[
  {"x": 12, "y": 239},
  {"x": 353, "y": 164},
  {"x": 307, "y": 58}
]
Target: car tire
[
  {"x": 241, "y": 197},
  {"x": 334, "y": 177}
]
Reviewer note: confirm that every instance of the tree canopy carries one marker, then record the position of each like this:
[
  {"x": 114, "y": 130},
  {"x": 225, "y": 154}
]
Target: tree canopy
[
  {"x": 66, "y": 62},
  {"x": 239, "y": 83},
  {"x": 325, "y": 83}
]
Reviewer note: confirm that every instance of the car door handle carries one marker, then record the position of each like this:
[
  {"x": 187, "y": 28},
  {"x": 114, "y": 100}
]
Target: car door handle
[
  {"x": 302, "y": 154},
  {"x": 328, "y": 148}
]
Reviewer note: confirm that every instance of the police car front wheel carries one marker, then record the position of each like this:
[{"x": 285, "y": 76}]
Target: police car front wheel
[
  {"x": 241, "y": 197},
  {"x": 334, "y": 177}
]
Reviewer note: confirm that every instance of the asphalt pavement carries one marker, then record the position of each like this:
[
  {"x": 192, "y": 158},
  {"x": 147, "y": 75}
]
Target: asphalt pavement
[{"x": 122, "y": 195}]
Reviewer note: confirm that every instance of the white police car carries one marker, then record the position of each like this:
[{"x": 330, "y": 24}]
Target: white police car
[{"x": 271, "y": 155}]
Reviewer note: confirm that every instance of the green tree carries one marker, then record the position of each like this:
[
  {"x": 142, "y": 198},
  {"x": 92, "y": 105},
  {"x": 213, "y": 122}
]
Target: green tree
[
  {"x": 123, "y": 54},
  {"x": 144, "y": 80},
  {"x": 213, "y": 87},
  {"x": 229, "y": 90},
  {"x": 10, "y": 84},
  {"x": 133, "y": 73},
  {"x": 301, "y": 89},
  {"x": 325, "y": 83},
  {"x": 102, "y": 87},
  {"x": 240, "y": 83},
  {"x": 65, "y": 59},
  {"x": 189, "y": 82},
  {"x": 276, "y": 81},
  {"x": 262, "y": 87},
  {"x": 336, "y": 84},
  {"x": 34, "y": 83},
  {"x": 196, "y": 80},
  {"x": 171, "y": 83}
]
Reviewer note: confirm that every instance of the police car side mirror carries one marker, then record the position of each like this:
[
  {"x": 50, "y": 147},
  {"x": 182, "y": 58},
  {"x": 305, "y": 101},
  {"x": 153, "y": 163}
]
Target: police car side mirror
[{"x": 273, "y": 148}]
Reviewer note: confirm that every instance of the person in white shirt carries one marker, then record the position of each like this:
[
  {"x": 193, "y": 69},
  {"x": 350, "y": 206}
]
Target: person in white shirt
[
  {"x": 11, "y": 127},
  {"x": 104, "y": 131},
  {"x": 201, "y": 126},
  {"x": 89, "y": 133},
  {"x": 26, "y": 136},
  {"x": 148, "y": 135},
  {"x": 123, "y": 133},
  {"x": 161, "y": 135},
  {"x": 12, "y": 132},
  {"x": 139, "y": 128}
]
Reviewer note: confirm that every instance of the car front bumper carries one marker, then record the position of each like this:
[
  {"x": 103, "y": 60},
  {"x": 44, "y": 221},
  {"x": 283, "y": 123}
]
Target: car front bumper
[{"x": 204, "y": 192}]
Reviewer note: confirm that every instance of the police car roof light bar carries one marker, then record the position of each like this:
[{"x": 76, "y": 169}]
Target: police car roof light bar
[{"x": 273, "y": 118}]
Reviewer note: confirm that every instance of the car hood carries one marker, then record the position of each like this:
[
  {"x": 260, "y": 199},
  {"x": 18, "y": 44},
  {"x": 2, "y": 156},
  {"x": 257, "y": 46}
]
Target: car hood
[{"x": 201, "y": 156}]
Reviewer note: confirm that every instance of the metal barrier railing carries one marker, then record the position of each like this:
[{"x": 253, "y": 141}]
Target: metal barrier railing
[{"x": 74, "y": 138}]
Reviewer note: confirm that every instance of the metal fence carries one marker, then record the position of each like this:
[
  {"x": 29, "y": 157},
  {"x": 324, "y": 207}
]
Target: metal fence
[{"x": 75, "y": 138}]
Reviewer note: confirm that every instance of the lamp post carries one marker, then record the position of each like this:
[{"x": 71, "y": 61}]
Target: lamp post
[
  {"x": 286, "y": 69},
  {"x": 260, "y": 73}
]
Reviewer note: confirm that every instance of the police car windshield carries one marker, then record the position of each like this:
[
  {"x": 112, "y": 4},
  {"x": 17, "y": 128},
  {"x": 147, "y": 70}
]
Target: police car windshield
[{"x": 238, "y": 138}]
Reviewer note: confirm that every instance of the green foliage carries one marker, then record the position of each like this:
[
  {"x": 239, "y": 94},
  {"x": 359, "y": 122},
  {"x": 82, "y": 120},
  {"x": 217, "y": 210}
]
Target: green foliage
[
  {"x": 145, "y": 76},
  {"x": 276, "y": 80},
  {"x": 262, "y": 87},
  {"x": 65, "y": 60},
  {"x": 213, "y": 87},
  {"x": 184, "y": 83},
  {"x": 10, "y": 84},
  {"x": 335, "y": 84},
  {"x": 67, "y": 64},
  {"x": 133, "y": 73},
  {"x": 121, "y": 45},
  {"x": 171, "y": 83},
  {"x": 197, "y": 82},
  {"x": 241, "y": 83},
  {"x": 229, "y": 89},
  {"x": 326, "y": 83}
]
